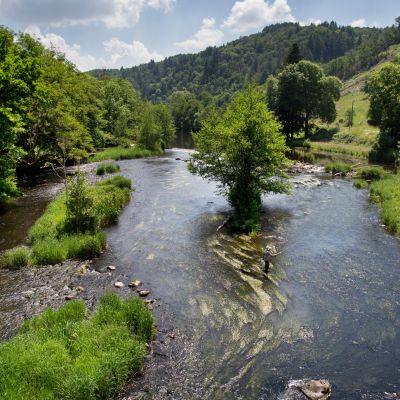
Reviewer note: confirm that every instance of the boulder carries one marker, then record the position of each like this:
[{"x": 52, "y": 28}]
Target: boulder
[
  {"x": 317, "y": 390},
  {"x": 144, "y": 293},
  {"x": 135, "y": 283}
]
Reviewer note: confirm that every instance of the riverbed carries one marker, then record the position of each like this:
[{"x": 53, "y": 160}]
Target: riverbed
[{"x": 329, "y": 308}]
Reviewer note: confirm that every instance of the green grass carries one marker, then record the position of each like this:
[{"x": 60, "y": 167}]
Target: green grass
[
  {"x": 342, "y": 148},
  {"x": 72, "y": 355},
  {"x": 15, "y": 258},
  {"x": 107, "y": 169},
  {"x": 386, "y": 194},
  {"x": 371, "y": 173},
  {"x": 123, "y": 153},
  {"x": 338, "y": 167},
  {"x": 49, "y": 238}
]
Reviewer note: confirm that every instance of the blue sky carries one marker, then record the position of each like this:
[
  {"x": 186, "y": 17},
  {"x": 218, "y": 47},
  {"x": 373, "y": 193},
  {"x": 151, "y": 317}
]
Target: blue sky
[{"x": 115, "y": 33}]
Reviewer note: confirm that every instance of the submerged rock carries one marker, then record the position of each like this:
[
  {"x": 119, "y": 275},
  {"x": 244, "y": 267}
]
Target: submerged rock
[{"x": 317, "y": 390}]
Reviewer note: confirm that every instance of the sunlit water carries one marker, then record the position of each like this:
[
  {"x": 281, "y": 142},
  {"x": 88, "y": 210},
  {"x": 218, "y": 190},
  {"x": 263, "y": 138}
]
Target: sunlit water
[{"x": 330, "y": 308}]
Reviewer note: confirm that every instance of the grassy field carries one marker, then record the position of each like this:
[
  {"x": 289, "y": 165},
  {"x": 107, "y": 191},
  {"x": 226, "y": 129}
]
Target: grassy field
[
  {"x": 77, "y": 355},
  {"x": 51, "y": 242}
]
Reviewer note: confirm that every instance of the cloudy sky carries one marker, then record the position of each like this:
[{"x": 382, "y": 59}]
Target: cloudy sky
[{"x": 115, "y": 33}]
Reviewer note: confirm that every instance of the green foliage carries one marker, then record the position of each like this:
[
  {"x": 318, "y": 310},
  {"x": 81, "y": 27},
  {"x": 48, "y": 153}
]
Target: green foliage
[
  {"x": 123, "y": 153},
  {"x": 223, "y": 70},
  {"x": 303, "y": 93},
  {"x": 185, "y": 110},
  {"x": 65, "y": 354},
  {"x": 384, "y": 90},
  {"x": 338, "y": 168},
  {"x": 107, "y": 169},
  {"x": 294, "y": 55},
  {"x": 371, "y": 173},
  {"x": 243, "y": 151},
  {"x": 386, "y": 193},
  {"x": 79, "y": 202},
  {"x": 349, "y": 117},
  {"x": 15, "y": 258},
  {"x": 51, "y": 238},
  {"x": 360, "y": 183}
]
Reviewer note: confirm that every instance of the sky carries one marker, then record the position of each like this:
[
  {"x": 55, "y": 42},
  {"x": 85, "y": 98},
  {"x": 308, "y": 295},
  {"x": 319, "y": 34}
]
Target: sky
[{"x": 124, "y": 33}]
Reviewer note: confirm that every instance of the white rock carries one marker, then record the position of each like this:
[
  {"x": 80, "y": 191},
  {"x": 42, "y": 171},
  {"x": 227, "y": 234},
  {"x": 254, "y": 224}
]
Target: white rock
[
  {"x": 119, "y": 285},
  {"x": 111, "y": 268}
]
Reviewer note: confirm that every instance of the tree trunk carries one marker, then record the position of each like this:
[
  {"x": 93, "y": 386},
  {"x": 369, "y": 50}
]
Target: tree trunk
[{"x": 306, "y": 127}]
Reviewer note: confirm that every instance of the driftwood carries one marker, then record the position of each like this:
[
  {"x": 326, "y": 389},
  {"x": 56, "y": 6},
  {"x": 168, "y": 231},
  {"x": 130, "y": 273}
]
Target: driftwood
[{"x": 224, "y": 223}]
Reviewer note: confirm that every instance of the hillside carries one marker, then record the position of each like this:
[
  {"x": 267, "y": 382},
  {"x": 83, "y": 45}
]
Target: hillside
[{"x": 222, "y": 70}]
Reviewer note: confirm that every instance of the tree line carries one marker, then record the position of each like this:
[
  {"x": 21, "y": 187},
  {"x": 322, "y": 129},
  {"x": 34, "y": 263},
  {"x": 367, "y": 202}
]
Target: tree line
[
  {"x": 51, "y": 113},
  {"x": 343, "y": 51}
]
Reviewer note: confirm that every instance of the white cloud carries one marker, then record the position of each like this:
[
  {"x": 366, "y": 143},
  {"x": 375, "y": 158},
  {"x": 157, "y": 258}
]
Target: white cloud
[
  {"x": 128, "y": 54},
  {"x": 113, "y": 13},
  {"x": 311, "y": 21},
  {"x": 252, "y": 14},
  {"x": 72, "y": 52},
  {"x": 359, "y": 23},
  {"x": 208, "y": 35},
  {"x": 120, "y": 54}
]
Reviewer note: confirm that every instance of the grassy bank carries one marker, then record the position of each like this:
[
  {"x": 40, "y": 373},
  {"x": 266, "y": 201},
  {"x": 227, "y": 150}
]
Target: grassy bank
[
  {"x": 107, "y": 169},
  {"x": 50, "y": 240},
  {"x": 386, "y": 194},
  {"x": 72, "y": 354},
  {"x": 123, "y": 153}
]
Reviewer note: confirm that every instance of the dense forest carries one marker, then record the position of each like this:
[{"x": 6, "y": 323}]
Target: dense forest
[{"x": 221, "y": 71}]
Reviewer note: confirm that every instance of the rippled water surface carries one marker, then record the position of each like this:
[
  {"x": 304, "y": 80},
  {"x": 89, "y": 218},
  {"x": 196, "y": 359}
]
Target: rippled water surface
[{"x": 329, "y": 309}]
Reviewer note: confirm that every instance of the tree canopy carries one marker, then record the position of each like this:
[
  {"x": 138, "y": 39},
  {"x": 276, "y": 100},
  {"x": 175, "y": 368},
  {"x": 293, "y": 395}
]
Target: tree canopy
[{"x": 242, "y": 150}]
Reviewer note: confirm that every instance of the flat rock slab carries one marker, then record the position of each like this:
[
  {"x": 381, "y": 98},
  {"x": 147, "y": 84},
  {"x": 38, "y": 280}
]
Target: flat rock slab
[{"x": 317, "y": 390}]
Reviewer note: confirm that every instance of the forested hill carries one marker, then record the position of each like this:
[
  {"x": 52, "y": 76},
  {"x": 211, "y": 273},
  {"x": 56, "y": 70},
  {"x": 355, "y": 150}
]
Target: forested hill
[{"x": 219, "y": 71}]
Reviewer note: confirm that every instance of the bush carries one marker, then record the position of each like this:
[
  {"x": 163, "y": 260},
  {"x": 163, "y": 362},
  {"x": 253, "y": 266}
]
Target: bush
[
  {"x": 15, "y": 258},
  {"x": 338, "y": 168},
  {"x": 65, "y": 355},
  {"x": 118, "y": 181},
  {"x": 371, "y": 173},
  {"x": 107, "y": 169}
]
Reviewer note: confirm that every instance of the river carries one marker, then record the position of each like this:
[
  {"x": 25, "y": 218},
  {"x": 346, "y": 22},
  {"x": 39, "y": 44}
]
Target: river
[{"x": 329, "y": 309}]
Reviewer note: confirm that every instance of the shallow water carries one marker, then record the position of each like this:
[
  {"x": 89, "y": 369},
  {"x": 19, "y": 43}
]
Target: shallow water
[{"x": 330, "y": 308}]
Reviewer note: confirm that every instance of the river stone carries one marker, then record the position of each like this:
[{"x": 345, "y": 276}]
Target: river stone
[
  {"x": 119, "y": 285},
  {"x": 111, "y": 268},
  {"x": 144, "y": 293},
  {"x": 135, "y": 283},
  {"x": 317, "y": 390}
]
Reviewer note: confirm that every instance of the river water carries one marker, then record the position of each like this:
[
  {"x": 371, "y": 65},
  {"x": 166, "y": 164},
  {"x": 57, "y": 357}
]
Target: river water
[{"x": 329, "y": 309}]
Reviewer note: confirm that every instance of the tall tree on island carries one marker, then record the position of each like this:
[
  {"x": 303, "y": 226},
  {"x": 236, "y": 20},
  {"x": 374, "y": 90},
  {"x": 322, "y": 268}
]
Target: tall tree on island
[{"x": 243, "y": 151}]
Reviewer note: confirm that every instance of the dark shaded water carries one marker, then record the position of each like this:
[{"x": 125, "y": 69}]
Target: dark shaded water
[{"x": 330, "y": 308}]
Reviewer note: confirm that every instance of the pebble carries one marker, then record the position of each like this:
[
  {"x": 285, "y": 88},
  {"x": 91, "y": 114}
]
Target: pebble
[
  {"x": 80, "y": 289},
  {"x": 70, "y": 297},
  {"x": 111, "y": 268},
  {"x": 135, "y": 283},
  {"x": 144, "y": 293},
  {"x": 119, "y": 285}
]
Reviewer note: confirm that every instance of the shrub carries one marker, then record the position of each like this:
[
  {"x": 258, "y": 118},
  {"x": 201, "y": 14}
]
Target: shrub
[
  {"x": 338, "y": 168},
  {"x": 371, "y": 173},
  {"x": 15, "y": 258},
  {"x": 66, "y": 355},
  {"x": 107, "y": 169}
]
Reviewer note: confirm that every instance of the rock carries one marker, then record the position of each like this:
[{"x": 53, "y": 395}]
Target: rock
[
  {"x": 135, "y": 283},
  {"x": 317, "y": 390},
  {"x": 111, "y": 268},
  {"x": 150, "y": 301},
  {"x": 144, "y": 293},
  {"x": 71, "y": 296},
  {"x": 177, "y": 159},
  {"x": 171, "y": 335},
  {"x": 119, "y": 285},
  {"x": 80, "y": 289},
  {"x": 82, "y": 269}
]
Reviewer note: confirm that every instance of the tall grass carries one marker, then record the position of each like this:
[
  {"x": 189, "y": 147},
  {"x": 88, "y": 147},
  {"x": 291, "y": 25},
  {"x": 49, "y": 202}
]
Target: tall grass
[
  {"x": 386, "y": 194},
  {"x": 68, "y": 354},
  {"x": 338, "y": 168},
  {"x": 123, "y": 153},
  {"x": 52, "y": 243},
  {"x": 107, "y": 169}
]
